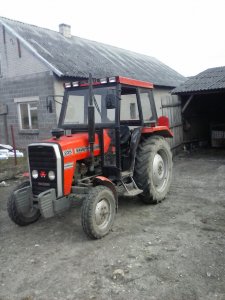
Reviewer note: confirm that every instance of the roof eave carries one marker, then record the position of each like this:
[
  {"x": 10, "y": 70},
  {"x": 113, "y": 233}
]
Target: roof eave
[{"x": 186, "y": 93}]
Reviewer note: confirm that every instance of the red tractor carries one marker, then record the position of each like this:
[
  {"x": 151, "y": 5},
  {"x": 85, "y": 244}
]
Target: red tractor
[{"x": 109, "y": 143}]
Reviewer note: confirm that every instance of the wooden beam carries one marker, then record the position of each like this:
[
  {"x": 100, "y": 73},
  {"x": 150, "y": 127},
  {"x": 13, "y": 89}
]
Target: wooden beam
[
  {"x": 171, "y": 105},
  {"x": 187, "y": 103}
]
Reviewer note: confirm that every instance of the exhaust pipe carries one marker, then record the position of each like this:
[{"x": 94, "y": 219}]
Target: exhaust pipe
[{"x": 91, "y": 123}]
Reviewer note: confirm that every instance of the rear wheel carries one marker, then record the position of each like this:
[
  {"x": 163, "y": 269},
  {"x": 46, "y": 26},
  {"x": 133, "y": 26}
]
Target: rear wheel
[
  {"x": 153, "y": 169},
  {"x": 98, "y": 212},
  {"x": 17, "y": 216}
]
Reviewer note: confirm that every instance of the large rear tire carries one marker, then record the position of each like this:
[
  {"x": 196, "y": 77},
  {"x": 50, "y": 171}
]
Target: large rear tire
[
  {"x": 98, "y": 212},
  {"x": 153, "y": 169},
  {"x": 21, "y": 219}
]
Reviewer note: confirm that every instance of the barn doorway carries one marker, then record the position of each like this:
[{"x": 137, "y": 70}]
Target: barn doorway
[
  {"x": 203, "y": 108},
  {"x": 204, "y": 119}
]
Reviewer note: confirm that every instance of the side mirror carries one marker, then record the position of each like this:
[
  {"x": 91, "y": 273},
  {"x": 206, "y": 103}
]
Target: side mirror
[{"x": 110, "y": 101}]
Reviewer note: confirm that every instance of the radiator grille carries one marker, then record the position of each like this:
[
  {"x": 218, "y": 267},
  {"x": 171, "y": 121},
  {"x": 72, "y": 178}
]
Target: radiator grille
[{"x": 43, "y": 159}]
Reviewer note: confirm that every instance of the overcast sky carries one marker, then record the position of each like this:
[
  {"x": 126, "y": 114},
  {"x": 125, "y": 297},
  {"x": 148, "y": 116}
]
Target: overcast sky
[{"x": 187, "y": 35}]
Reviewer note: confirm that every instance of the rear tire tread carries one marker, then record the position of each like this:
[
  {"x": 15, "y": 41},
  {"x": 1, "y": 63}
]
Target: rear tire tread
[{"x": 142, "y": 175}]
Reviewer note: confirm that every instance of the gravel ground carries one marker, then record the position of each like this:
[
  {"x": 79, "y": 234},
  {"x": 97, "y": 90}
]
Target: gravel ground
[{"x": 173, "y": 250}]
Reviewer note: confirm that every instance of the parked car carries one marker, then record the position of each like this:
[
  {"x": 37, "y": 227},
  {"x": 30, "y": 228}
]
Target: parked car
[{"x": 6, "y": 151}]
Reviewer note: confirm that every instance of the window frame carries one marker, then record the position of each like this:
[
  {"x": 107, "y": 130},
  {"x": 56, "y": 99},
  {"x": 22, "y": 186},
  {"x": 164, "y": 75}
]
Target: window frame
[
  {"x": 28, "y": 101},
  {"x": 132, "y": 122},
  {"x": 152, "y": 105},
  {"x": 84, "y": 127}
]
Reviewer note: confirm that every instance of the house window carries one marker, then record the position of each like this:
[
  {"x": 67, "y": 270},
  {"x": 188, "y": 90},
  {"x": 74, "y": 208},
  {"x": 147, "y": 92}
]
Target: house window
[{"x": 27, "y": 113}]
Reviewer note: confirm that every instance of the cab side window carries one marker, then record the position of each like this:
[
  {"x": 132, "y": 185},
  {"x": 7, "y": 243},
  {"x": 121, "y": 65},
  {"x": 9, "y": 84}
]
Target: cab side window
[{"x": 129, "y": 106}]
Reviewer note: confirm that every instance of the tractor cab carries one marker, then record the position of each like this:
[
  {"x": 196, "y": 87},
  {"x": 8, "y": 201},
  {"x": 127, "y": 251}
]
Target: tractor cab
[
  {"x": 120, "y": 107},
  {"x": 117, "y": 101}
]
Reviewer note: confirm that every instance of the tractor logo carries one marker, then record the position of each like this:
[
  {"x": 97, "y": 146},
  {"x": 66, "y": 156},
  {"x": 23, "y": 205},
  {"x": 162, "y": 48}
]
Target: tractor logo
[
  {"x": 85, "y": 149},
  {"x": 43, "y": 174}
]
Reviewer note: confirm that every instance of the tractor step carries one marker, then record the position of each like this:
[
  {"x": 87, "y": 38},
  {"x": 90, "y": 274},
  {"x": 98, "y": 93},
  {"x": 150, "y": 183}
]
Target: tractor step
[
  {"x": 130, "y": 189},
  {"x": 132, "y": 193},
  {"x": 126, "y": 174}
]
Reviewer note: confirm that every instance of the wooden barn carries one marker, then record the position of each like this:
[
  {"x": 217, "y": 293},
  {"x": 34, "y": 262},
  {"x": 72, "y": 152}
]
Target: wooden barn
[{"x": 203, "y": 108}]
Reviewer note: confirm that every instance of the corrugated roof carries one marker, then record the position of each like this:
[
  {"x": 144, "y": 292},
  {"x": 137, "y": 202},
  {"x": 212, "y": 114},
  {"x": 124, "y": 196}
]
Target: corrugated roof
[
  {"x": 77, "y": 57},
  {"x": 212, "y": 79}
]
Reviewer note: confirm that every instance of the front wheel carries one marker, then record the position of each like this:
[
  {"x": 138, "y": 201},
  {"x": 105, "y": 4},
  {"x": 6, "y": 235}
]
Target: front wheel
[
  {"x": 153, "y": 169},
  {"x": 98, "y": 212},
  {"x": 19, "y": 217}
]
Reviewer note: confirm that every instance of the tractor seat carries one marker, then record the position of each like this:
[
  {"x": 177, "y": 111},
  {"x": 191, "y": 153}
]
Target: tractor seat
[{"x": 124, "y": 134}]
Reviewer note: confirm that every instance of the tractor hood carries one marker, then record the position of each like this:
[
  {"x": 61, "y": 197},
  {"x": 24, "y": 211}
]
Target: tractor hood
[{"x": 77, "y": 145}]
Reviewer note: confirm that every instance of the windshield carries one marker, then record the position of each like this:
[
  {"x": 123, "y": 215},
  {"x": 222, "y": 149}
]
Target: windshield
[{"x": 77, "y": 106}]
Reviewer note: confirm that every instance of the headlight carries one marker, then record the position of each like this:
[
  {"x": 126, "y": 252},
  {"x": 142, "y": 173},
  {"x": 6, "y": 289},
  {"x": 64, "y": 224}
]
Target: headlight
[
  {"x": 51, "y": 175},
  {"x": 34, "y": 174}
]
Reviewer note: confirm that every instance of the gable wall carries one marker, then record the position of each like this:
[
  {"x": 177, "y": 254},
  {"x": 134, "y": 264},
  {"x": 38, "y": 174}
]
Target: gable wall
[{"x": 11, "y": 64}]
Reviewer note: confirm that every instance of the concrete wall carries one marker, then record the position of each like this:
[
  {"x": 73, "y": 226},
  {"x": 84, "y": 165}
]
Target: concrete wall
[
  {"x": 38, "y": 85},
  {"x": 24, "y": 76}
]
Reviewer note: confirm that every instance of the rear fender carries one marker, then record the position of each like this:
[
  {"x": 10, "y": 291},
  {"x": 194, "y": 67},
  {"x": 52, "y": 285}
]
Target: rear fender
[
  {"x": 162, "y": 128},
  {"x": 101, "y": 180},
  {"x": 159, "y": 130}
]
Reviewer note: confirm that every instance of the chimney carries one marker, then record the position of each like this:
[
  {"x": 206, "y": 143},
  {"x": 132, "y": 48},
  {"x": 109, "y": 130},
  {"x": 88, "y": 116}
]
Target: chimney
[{"x": 65, "y": 30}]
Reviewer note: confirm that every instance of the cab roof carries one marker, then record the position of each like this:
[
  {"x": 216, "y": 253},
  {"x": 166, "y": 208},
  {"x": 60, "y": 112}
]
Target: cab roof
[{"x": 107, "y": 80}]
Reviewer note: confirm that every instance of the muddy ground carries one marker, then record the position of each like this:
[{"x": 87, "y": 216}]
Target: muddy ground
[{"x": 173, "y": 250}]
